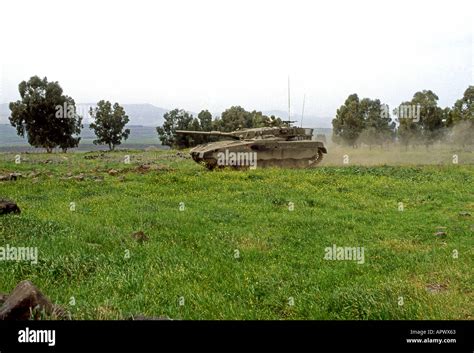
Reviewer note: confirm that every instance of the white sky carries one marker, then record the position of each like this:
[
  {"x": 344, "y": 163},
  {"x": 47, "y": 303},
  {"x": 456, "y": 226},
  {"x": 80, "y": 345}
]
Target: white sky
[{"x": 213, "y": 54}]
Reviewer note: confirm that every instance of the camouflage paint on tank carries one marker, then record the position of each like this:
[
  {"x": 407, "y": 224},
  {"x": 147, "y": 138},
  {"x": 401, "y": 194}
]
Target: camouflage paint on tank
[{"x": 287, "y": 147}]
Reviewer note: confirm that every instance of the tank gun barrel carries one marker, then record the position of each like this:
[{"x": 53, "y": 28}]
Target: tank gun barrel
[{"x": 207, "y": 133}]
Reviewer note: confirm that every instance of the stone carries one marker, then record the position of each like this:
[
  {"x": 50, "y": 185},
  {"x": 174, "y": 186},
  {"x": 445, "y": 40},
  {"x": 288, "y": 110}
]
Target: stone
[
  {"x": 441, "y": 232},
  {"x": 149, "y": 318},
  {"x": 7, "y": 206},
  {"x": 26, "y": 302},
  {"x": 3, "y": 297},
  {"x": 436, "y": 288},
  {"x": 140, "y": 236},
  {"x": 143, "y": 168},
  {"x": 98, "y": 178},
  {"x": 113, "y": 172},
  {"x": 10, "y": 177},
  {"x": 464, "y": 214},
  {"x": 182, "y": 155},
  {"x": 15, "y": 176}
]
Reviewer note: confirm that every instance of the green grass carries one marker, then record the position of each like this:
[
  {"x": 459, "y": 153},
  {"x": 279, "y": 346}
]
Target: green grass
[{"x": 191, "y": 253}]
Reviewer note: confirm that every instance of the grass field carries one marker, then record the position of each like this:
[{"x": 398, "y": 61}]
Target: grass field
[{"x": 236, "y": 250}]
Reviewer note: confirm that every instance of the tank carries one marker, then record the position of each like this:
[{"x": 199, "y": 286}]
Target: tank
[{"x": 286, "y": 147}]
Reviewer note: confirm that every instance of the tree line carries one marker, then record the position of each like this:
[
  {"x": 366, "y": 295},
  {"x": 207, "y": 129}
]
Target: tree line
[
  {"x": 231, "y": 119},
  {"x": 419, "y": 121}
]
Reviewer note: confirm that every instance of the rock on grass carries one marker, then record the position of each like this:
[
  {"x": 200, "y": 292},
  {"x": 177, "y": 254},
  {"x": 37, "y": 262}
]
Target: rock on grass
[
  {"x": 140, "y": 236},
  {"x": 26, "y": 302},
  {"x": 7, "y": 206}
]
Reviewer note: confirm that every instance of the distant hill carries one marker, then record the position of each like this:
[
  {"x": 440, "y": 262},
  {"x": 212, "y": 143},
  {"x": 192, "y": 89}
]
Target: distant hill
[
  {"x": 139, "y": 114},
  {"x": 140, "y": 137}
]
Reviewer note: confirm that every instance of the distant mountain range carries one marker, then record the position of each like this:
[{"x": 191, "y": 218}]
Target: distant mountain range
[
  {"x": 151, "y": 115},
  {"x": 139, "y": 114}
]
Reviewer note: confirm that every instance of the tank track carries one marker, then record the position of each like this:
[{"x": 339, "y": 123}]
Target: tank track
[{"x": 281, "y": 163}]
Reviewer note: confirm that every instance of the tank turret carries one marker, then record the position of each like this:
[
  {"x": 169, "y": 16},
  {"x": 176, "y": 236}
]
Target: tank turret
[{"x": 286, "y": 133}]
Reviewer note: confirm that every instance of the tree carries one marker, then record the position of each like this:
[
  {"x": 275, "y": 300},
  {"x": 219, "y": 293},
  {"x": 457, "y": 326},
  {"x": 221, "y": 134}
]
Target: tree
[
  {"x": 202, "y": 123},
  {"x": 274, "y": 121},
  {"x": 349, "y": 121},
  {"x": 261, "y": 120},
  {"x": 408, "y": 131},
  {"x": 431, "y": 116},
  {"x": 236, "y": 117},
  {"x": 177, "y": 119},
  {"x": 421, "y": 120},
  {"x": 205, "y": 120},
  {"x": 461, "y": 118},
  {"x": 109, "y": 123},
  {"x": 46, "y": 115},
  {"x": 378, "y": 126},
  {"x": 233, "y": 119},
  {"x": 463, "y": 109}
]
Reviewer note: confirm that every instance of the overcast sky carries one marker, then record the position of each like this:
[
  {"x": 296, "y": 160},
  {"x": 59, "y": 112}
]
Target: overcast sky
[{"x": 213, "y": 54}]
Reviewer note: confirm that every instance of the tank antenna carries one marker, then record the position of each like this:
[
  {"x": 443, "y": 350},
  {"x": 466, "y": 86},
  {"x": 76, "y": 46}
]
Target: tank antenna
[
  {"x": 289, "y": 117},
  {"x": 302, "y": 112}
]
